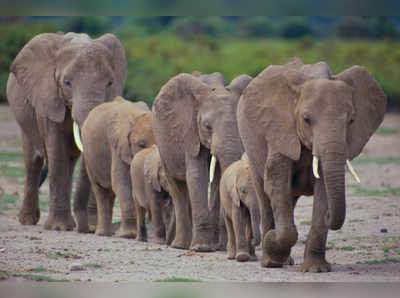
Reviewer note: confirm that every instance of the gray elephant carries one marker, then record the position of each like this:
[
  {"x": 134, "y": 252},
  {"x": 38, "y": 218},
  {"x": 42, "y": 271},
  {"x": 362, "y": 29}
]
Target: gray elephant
[
  {"x": 300, "y": 126},
  {"x": 150, "y": 193},
  {"x": 195, "y": 125},
  {"x": 57, "y": 79},
  {"x": 241, "y": 211},
  {"x": 111, "y": 136}
]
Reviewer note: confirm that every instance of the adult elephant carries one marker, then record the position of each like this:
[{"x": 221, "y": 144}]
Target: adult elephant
[
  {"x": 57, "y": 79},
  {"x": 300, "y": 125},
  {"x": 194, "y": 121}
]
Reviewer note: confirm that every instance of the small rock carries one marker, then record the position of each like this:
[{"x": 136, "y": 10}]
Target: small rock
[
  {"x": 3, "y": 249},
  {"x": 384, "y": 230},
  {"x": 76, "y": 267}
]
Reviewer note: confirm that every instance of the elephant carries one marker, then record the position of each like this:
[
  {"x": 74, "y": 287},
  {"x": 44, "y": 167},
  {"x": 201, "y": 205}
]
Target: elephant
[
  {"x": 150, "y": 193},
  {"x": 241, "y": 211},
  {"x": 112, "y": 134},
  {"x": 194, "y": 121},
  {"x": 300, "y": 125},
  {"x": 55, "y": 80}
]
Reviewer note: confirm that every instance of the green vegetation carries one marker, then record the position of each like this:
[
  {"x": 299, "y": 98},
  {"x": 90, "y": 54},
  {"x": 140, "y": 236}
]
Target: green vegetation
[
  {"x": 58, "y": 254},
  {"x": 8, "y": 201},
  {"x": 305, "y": 222},
  {"x": 34, "y": 277},
  {"x": 356, "y": 220},
  {"x": 93, "y": 265},
  {"x": 177, "y": 279},
  {"x": 330, "y": 245},
  {"x": 11, "y": 157},
  {"x": 381, "y": 261},
  {"x": 358, "y": 191},
  {"x": 12, "y": 171},
  {"x": 387, "y": 131},
  {"x": 347, "y": 248}
]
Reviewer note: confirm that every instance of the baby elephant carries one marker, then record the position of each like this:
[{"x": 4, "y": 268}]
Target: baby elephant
[
  {"x": 111, "y": 135},
  {"x": 150, "y": 192},
  {"x": 241, "y": 211}
]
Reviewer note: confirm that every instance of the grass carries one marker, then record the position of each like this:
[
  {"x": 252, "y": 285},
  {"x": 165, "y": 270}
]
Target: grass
[
  {"x": 65, "y": 255},
  {"x": 34, "y": 277},
  {"x": 6, "y": 200},
  {"x": 347, "y": 248},
  {"x": 42, "y": 269},
  {"x": 387, "y": 131},
  {"x": 11, "y": 156},
  {"x": 177, "y": 279},
  {"x": 305, "y": 222},
  {"x": 375, "y": 192},
  {"x": 356, "y": 220},
  {"x": 381, "y": 261},
  {"x": 93, "y": 265},
  {"x": 12, "y": 172},
  {"x": 379, "y": 161},
  {"x": 330, "y": 245}
]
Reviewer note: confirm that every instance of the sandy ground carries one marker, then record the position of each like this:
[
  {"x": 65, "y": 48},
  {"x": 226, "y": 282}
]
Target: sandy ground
[{"x": 367, "y": 248}]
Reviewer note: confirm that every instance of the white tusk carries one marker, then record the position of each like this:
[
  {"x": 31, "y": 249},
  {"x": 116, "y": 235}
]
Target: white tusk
[
  {"x": 212, "y": 171},
  {"x": 77, "y": 137},
  {"x": 352, "y": 171},
  {"x": 315, "y": 166}
]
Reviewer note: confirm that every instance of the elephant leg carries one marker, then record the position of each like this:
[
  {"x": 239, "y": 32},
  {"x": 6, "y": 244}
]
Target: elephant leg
[
  {"x": 29, "y": 213},
  {"x": 278, "y": 242},
  {"x": 121, "y": 185},
  {"x": 231, "y": 238},
  {"x": 239, "y": 219},
  {"x": 314, "y": 254},
  {"x": 141, "y": 222},
  {"x": 61, "y": 166},
  {"x": 205, "y": 222},
  {"x": 92, "y": 212},
  {"x": 250, "y": 237},
  {"x": 223, "y": 237},
  {"x": 82, "y": 192},
  {"x": 105, "y": 203},
  {"x": 183, "y": 233},
  {"x": 169, "y": 222},
  {"x": 156, "y": 202}
]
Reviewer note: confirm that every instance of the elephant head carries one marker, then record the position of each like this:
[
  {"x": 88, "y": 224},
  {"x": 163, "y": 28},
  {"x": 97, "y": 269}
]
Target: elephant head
[
  {"x": 299, "y": 108},
  {"x": 243, "y": 192},
  {"x": 60, "y": 72},
  {"x": 203, "y": 111}
]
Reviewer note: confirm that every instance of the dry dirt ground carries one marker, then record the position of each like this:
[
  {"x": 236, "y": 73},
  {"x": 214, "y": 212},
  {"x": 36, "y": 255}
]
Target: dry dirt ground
[{"x": 367, "y": 248}]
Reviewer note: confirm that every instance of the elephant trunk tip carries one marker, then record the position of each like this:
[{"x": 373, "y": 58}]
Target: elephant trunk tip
[{"x": 335, "y": 224}]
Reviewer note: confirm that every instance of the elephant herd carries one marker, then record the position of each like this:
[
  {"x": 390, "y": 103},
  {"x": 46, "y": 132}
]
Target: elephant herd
[{"x": 214, "y": 165}]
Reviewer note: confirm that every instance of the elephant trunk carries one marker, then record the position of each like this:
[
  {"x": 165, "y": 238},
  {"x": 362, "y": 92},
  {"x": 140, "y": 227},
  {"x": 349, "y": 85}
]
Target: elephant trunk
[{"x": 333, "y": 169}]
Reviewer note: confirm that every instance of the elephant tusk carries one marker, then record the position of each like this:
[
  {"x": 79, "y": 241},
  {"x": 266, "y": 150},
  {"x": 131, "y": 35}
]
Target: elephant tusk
[
  {"x": 77, "y": 137},
  {"x": 212, "y": 171},
  {"x": 352, "y": 171},
  {"x": 315, "y": 166}
]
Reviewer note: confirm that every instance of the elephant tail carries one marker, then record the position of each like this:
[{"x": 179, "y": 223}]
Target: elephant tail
[{"x": 43, "y": 174}]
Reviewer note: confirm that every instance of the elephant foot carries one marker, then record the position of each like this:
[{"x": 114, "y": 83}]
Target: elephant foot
[
  {"x": 59, "y": 223},
  {"x": 141, "y": 238},
  {"x": 221, "y": 246},
  {"x": 242, "y": 256},
  {"x": 289, "y": 261},
  {"x": 129, "y": 234},
  {"x": 253, "y": 258},
  {"x": 202, "y": 247},
  {"x": 276, "y": 252},
  {"x": 81, "y": 222},
  {"x": 28, "y": 217},
  {"x": 104, "y": 232},
  {"x": 315, "y": 265},
  {"x": 159, "y": 240},
  {"x": 92, "y": 222},
  {"x": 180, "y": 244}
]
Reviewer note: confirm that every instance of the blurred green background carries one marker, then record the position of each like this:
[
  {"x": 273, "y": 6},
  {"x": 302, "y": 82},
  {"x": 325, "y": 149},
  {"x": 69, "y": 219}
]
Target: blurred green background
[{"x": 158, "y": 48}]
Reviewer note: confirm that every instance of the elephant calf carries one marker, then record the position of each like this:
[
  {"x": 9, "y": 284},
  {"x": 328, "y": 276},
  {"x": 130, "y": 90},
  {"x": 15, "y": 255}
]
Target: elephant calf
[
  {"x": 111, "y": 135},
  {"x": 241, "y": 211},
  {"x": 150, "y": 192}
]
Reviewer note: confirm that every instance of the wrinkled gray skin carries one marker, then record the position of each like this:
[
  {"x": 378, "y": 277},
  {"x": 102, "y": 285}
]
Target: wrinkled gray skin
[
  {"x": 287, "y": 115},
  {"x": 241, "y": 211},
  {"x": 55, "y": 79},
  {"x": 192, "y": 121},
  {"x": 112, "y": 134},
  {"x": 150, "y": 193}
]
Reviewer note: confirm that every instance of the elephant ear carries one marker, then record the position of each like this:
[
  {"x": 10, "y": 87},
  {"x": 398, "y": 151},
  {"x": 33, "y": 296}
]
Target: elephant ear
[
  {"x": 152, "y": 167},
  {"x": 176, "y": 108},
  {"x": 269, "y": 103},
  {"x": 34, "y": 67},
  {"x": 118, "y": 59},
  {"x": 239, "y": 83},
  {"x": 369, "y": 103}
]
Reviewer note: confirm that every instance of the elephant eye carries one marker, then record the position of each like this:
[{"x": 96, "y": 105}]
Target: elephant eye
[
  {"x": 207, "y": 125},
  {"x": 307, "y": 119},
  {"x": 67, "y": 83},
  {"x": 351, "y": 121},
  {"x": 109, "y": 83},
  {"x": 142, "y": 144}
]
